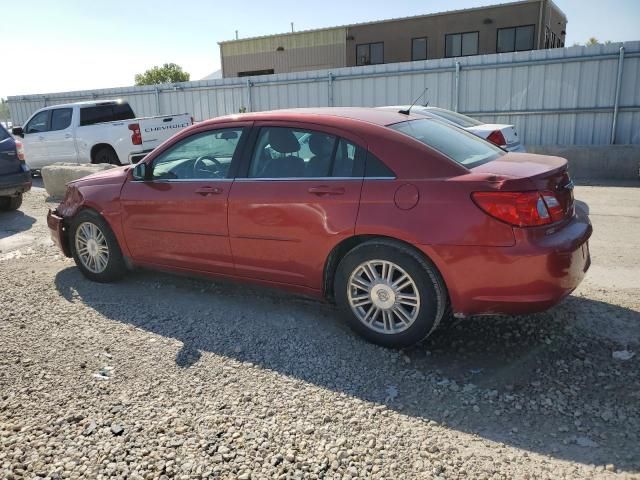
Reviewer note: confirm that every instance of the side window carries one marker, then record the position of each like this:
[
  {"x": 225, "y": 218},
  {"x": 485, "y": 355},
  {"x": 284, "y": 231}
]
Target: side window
[
  {"x": 205, "y": 155},
  {"x": 283, "y": 152},
  {"x": 112, "y": 112},
  {"x": 39, "y": 123},
  {"x": 60, "y": 118},
  {"x": 3, "y": 133},
  {"x": 375, "y": 168}
]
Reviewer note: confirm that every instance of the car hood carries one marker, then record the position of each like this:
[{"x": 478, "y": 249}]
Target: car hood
[{"x": 107, "y": 177}]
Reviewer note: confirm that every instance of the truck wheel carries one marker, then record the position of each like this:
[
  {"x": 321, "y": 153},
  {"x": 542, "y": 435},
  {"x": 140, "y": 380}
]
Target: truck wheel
[
  {"x": 106, "y": 155},
  {"x": 10, "y": 203}
]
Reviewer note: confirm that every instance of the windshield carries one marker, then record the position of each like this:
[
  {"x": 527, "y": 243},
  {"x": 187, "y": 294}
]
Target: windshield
[
  {"x": 454, "y": 117},
  {"x": 463, "y": 147}
]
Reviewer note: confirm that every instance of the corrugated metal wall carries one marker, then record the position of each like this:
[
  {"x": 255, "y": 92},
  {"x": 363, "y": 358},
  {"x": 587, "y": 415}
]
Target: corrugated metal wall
[{"x": 559, "y": 96}]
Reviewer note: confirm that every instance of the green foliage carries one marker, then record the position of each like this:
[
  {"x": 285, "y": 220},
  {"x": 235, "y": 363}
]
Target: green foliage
[
  {"x": 168, "y": 73},
  {"x": 592, "y": 41}
]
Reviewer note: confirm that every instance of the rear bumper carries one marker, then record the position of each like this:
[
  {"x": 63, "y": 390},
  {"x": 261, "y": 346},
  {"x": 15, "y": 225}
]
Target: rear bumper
[
  {"x": 519, "y": 148},
  {"x": 58, "y": 233},
  {"x": 542, "y": 268},
  {"x": 15, "y": 183}
]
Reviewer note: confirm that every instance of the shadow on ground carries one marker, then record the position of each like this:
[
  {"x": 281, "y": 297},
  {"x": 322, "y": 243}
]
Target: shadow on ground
[
  {"x": 14, "y": 222},
  {"x": 535, "y": 382}
]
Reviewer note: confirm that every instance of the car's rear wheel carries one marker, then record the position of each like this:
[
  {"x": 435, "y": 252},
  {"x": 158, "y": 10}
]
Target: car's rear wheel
[
  {"x": 390, "y": 294},
  {"x": 95, "y": 248},
  {"x": 10, "y": 203}
]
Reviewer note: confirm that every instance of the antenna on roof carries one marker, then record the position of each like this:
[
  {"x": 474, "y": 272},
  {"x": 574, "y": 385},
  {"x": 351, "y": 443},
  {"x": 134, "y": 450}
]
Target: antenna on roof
[{"x": 408, "y": 110}]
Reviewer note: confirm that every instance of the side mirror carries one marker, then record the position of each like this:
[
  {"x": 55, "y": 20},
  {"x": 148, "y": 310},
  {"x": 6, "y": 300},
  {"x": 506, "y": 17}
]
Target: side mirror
[
  {"x": 141, "y": 171},
  {"x": 18, "y": 131}
]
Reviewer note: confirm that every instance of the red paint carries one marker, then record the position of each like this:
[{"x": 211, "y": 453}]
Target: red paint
[{"x": 281, "y": 232}]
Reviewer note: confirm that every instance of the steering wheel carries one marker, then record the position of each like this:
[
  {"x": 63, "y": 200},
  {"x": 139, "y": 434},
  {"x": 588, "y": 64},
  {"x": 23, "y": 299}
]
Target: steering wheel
[{"x": 200, "y": 167}]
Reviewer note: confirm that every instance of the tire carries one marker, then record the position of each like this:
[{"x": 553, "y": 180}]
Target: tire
[
  {"x": 106, "y": 155},
  {"x": 423, "y": 300},
  {"x": 84, "y": 226},
  {"x": 8, "y": 204}
]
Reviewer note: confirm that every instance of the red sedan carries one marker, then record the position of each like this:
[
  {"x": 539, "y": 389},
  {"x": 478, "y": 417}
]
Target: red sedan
[{"x": 397, "y": 218}]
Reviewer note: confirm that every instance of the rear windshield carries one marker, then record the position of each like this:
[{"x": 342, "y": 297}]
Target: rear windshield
[
  {"x": 3, "y": 133},
  {"x": 112, "y": 112},
  {"x": 454, "y": 117},
  {"x": 463, "y": 147}
]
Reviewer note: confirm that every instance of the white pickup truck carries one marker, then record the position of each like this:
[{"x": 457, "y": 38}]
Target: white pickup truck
[{"x": 94, "y": 132}]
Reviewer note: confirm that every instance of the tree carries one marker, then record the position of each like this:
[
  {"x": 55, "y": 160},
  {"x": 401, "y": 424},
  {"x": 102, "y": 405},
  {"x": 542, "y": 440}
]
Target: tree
[
  {"x": 592, "y": 41},
  {"x": 168, "y": 73}
]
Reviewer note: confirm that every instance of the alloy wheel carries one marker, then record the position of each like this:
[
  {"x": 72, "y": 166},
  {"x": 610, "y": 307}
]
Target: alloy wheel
[{"x": 92, "y": 248}]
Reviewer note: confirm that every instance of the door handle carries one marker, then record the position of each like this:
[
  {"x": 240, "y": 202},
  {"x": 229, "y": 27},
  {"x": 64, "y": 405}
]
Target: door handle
[
  {"x": 204, "y": 191},
  {"x": 67, "y": 135},
  {"x": 325, "y": 190}
]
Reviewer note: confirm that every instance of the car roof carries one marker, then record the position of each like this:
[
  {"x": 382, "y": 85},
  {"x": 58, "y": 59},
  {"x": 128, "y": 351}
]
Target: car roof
[
  {"x": 85, "y": 103},
  {"x": 370, "y": 115}
]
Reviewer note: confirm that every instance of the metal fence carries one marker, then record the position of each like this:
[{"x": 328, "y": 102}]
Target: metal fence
[{"x": 567, "y": 96}]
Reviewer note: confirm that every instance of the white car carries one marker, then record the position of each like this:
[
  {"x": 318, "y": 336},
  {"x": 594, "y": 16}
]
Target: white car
[
  {"x": 504, "y": 136},
  {"x": 94, "y": 132}
]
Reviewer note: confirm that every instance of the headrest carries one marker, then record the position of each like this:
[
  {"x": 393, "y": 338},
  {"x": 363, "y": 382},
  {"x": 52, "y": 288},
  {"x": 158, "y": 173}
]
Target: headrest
[
  {"x": 282, "y": 140},
  {"x": 320, "y": 144}
]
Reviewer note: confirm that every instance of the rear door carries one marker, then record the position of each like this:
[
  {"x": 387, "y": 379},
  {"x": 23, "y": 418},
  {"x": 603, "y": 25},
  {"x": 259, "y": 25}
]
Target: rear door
[
  {"x": 60, "y": 141},
  {"x": 35, "y": 148},
  {"x": 178, "y": 217},
  {"x": 297, "y": 199},
  {"x": 9, "y": 162}
]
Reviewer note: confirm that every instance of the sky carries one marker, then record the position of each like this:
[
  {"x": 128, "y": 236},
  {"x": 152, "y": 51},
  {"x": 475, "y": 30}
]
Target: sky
[{"x": 53, "y": 46}]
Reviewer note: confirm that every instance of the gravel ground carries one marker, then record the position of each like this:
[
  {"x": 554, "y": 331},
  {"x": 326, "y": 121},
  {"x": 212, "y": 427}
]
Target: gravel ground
[{"x": 161, "y": 376}]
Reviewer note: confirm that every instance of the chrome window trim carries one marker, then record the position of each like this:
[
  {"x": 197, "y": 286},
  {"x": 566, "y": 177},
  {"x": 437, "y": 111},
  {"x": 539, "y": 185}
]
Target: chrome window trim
[
  {"x": 184, "y": 180},
  {"x": 326, "y": 179}
]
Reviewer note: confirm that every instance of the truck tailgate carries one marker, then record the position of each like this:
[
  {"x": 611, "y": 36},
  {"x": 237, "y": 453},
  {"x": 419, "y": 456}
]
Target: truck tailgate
[{"x": 156, "y": 130}]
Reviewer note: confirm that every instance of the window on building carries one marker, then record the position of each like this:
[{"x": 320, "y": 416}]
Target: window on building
[
  {"x": 255, "y": 73},
  {"x": 515, "y": 39},
  {"x": 547, "y": 37},
  {"x": 419, "y": 49},
  {"x": 461, "y": 44},
  {"x": 370, "y": 53}
]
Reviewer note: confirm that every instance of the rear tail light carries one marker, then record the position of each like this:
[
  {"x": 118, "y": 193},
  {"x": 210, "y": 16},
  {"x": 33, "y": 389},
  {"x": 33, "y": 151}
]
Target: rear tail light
[
  {"x": 20, "y": 150},
  {"x": 521, "y": 209},
  {"x": 497, "y": 138},
  {"x": 136, "y": 136}
]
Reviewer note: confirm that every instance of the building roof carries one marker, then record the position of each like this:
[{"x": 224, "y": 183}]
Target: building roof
[{"x": 397, "y": 19}]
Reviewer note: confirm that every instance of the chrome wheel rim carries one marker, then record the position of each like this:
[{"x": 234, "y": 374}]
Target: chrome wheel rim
[
  {"x": 92, "y": 248},
  {"x": 383, "y": 296}
]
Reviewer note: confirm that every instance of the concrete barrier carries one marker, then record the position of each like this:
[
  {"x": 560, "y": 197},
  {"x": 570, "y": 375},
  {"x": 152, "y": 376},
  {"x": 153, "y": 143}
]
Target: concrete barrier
[
  {"x": 56, "y": 176},
  {"x": 596, "y": 162}
]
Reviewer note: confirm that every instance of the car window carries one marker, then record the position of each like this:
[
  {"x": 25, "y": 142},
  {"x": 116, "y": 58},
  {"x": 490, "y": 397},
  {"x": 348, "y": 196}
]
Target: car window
[
  {"x": 454, "y": 117},
  {"x": 455, "y": 143},
  {"x": 112, "y": 112},
  {"x": 200, "y": 156},
  {"x": 3, "y": 133},
  {"x": 60, "y": 118},
  {"x": 283, "y": 152},
  {"x": 39, "y": 123}
]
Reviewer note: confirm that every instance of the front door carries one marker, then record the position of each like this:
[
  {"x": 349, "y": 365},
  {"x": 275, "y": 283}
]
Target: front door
[
  {"x": 299, "y": 197},
  {"x": 61, "y": 146},
  {"x": 178, "y": 217},
  {"x": 35, "y": 148}
]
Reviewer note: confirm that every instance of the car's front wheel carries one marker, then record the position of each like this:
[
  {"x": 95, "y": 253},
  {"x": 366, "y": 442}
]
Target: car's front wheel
[
  {"x": 95, "y": 248},
  {"x": 390, "y": 294}
]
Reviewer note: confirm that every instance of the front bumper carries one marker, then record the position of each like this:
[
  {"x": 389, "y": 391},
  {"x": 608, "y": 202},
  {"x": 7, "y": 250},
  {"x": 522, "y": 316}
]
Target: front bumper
[
  {"x": 545, "y": 265},
  {"x": 58, "y": 232},
  {"x": 15, "y": 183}
]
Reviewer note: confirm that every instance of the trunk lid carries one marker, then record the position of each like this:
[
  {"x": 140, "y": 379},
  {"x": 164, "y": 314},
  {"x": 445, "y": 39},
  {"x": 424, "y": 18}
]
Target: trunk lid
[
  {"x": 155, "y": 130},
  {"x": 9, "y": 162},
  {"x": 526, "y": 171}
]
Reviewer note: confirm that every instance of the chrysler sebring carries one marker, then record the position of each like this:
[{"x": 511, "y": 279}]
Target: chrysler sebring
[{"x": 398, "y": 218}]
